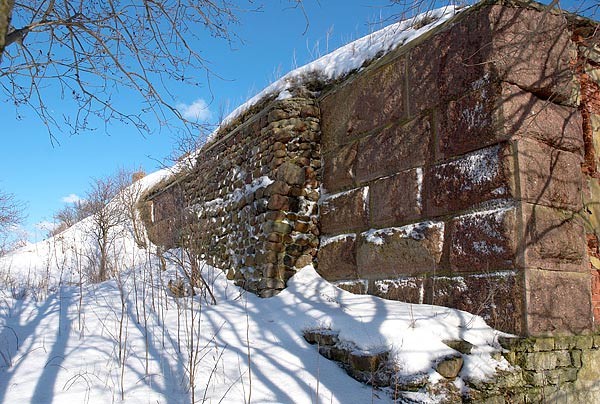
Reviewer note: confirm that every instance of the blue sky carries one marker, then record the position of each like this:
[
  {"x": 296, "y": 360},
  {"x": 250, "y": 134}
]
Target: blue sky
[{"x": 45, "y": 175}]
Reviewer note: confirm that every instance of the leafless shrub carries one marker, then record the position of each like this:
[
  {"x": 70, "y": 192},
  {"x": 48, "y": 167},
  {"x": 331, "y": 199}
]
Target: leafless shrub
[
  {"x": 12, "y": 214},
  {"x": 129, "y": 196},
  {"x": 107, "y": 216},
  {"x": 67, "y": 216}
]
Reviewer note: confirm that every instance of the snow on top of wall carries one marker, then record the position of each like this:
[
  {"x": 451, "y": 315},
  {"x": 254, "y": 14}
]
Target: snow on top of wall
[
  {"x": 335, "y": 65},
  {"x": 334, "y": 239},
  {"x": 416, "y": 231},
  {"x": 347, "y": 58}
]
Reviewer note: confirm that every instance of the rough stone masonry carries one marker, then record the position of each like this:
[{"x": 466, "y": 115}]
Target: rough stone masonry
[{"x": 461, "y": 169}]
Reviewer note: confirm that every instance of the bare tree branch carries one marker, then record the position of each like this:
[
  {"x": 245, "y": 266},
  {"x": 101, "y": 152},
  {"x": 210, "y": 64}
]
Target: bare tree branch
[{"x": 89, "y": 50}]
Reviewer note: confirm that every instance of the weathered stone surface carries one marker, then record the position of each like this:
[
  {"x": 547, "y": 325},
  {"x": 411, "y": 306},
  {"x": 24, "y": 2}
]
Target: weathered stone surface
[
  {"x": 164, "y": 233},
  {"x": 336, "y": 258},
  {"x": 402, "y": 251},
  {"x": 396, "y": 200},
  {"x": 393, "y": 149},
  {"x": 277, "y": 187},
  {"x": 526, "y": 115},
  {"x": 496, "y": 296},
  {"x": 545, "y": 360},
  {"x": 345, "y": 211},
  {"x": 423, "y": 86},
  {"x": 277, "y": 227},
  {"x": 358, "y": 287},
  {"x": 550, "y": 377},
  {"x": 500, "y": 111},
  {"x": 549, "y": 176},
  {"x": 303, "y": 261},
  {"x": 235, "y": 219},
  {"x": 365, "y": 361},
  {"x": 591, "y": 196},
  {"x": 464, "y": 61},
  {"x": 321, "y": 336},
  {"x": 266, "y": 293},
  {"x": 557, "y": 303},
  {"x": 483, "y": 241},
  {"x": 460, "y": 345},
  {"x": 469, "y": 123},
  {"x": 574, "y": 342},
  {"x": 587, "y": 388},
  {"x": 270, "y": 283},
  {"x": 595, "y": 288},
  {"x": 278, "y": 202},
  {"x": 469, "y": 181},
  {"x": 507, "y": 41},
  {"x": 291, "y": 173},
  {"x": 541, "y": 344},
  {"x": 338, "y": 169},
  {"x": 521, "y": 36},
  {"x": 450, "y": 367},
  {"x": 369, "y": 101},
  {"x": 554, "y": 239},
  {"x": 404, "y": 289},
  {"x": 334, "y": 353}
]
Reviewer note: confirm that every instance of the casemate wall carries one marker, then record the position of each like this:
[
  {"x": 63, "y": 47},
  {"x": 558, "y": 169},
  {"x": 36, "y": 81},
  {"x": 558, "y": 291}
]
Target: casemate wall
[{"x": 461, "y": 169}]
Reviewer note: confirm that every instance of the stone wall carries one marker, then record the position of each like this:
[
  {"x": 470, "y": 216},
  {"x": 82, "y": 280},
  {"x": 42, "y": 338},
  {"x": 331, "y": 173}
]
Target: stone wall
[
  {"x": 250, "y": 202},
  {"x": 461, "y": 169},
  {"x": 552, "y": 370},
  {"x": 453, "y": 172},
  {"x": 542, "y": 370}
]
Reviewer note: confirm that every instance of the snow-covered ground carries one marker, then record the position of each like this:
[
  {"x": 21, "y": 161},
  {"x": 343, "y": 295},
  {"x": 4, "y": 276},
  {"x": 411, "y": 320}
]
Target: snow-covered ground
[
  {"x": 65, "y": 339},
  {"x": 130, "y": 340}
]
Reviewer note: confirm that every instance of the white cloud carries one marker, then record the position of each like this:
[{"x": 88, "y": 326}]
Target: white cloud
[
  {"x": 196, "y": 111},
  {"x": 71, "y": 198}
]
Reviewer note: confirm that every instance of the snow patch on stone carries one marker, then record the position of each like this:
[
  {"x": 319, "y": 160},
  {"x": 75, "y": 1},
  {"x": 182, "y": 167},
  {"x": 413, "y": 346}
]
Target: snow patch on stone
[
  {"x": 331, "y": 197},
  {"x": 489, "y": 222},
  {"x": 237, "y": 195},
  {"x": 365, "y": 196},
  {"x": 335, "y": 239},
  {"x": 416, "y": 231},
  {"x": 477, "y": 168},
  {"x": 420, "y": 187}
]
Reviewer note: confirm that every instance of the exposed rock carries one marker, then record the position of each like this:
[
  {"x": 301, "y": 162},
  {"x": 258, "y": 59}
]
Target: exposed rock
[
  {"x": 291, "y": 174},
  {"x": 450, "y": 367},
  {"x": 460, "y": 345}
]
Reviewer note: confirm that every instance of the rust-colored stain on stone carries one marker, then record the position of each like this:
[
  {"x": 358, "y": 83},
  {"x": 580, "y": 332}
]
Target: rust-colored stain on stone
[{"x": 589, "y": 104}]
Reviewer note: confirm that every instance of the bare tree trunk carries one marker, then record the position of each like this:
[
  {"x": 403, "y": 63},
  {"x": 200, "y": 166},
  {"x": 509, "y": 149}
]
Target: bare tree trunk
[
  {"x": 103, "y": 270},
  {"x": 6, "y": 7},
  {"x": 5, "y": 14}
]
